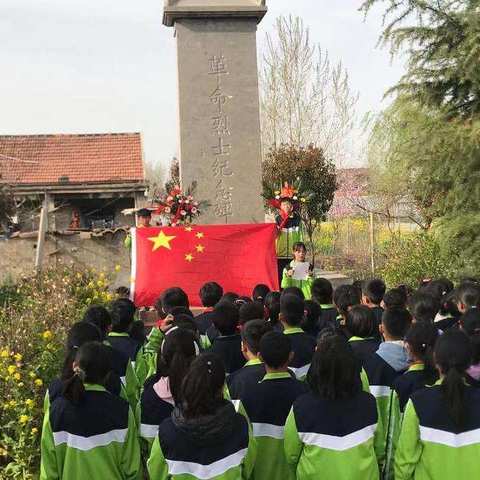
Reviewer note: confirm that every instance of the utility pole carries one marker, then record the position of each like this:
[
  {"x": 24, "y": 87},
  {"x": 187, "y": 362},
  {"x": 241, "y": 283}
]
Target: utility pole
[
  {"x": 372, "y": 244},
  {"x": 42, "y": 230}
]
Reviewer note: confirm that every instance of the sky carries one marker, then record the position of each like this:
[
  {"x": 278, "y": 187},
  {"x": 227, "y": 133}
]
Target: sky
[{"x": 97, "y": 66}]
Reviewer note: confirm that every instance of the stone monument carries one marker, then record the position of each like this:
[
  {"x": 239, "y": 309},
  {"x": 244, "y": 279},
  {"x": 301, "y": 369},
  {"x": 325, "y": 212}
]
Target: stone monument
[{"x": 220, "y": 145}]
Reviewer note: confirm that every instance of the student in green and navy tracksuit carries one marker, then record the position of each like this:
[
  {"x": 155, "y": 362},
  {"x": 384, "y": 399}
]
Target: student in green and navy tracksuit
[
  {"x": 205, "y": 438},
  {"x": 332, "y": 432},
  {"x": 162, "y": 391},
  {"x": 389, "y": 361},
  {"x": 168, "y": 301},
  {"x": 322, "y": 293},
  {"x": 440, "y": 436},
  {"x": 242, "y": 381},
  {"x": 267, "y": 405},
  {"x": 88, "y": 432},
  {"x": 79, "y": 334},
  {"x": 299, "y": 253},
  {"x": 361, "y": 326},
  {"x": 419, "y": 343},
  {"x": 292, "y": 310}
]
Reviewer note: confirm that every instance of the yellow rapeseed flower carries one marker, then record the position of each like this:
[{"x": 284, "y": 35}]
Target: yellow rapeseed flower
[
  {"x": 18, "y": 357},
  {"x": 34, "y": 430},
  {"x": 24, "y": 419},
  {"x": 38, "y": 382},
  {"x": 117, "y": 268},
  {"x": 29, "y": 403},
  {"x": 5, "y": 354},
  {"x": 11, "y": 369},
  {"x": 47, "y": 335},
  {"x": 17, "y": 376},
  {"x": 100, "y": 283},
  {"x": 12, "y": 403},
  {"x": 32, "y": 375}
]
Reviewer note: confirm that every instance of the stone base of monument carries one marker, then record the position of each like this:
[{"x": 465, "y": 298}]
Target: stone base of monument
[{"x": 336, "y": 278}]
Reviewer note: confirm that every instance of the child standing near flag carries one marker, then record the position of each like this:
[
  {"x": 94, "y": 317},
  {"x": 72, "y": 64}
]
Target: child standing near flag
[{"x": 292, "y": 277}]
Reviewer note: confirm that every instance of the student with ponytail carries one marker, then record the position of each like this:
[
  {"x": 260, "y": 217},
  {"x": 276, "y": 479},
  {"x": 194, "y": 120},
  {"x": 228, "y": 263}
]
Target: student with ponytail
[
  {"x": 162, "y": 391},
  {"x": 88, "y": 432},
  {"x": 204, "y": 438},
  {"x": 440, "y": 436},
  {"x": 79, "y": 334}
]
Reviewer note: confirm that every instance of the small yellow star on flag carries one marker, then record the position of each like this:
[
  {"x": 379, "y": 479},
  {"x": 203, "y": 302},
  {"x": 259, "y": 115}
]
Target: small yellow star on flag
[
  {"x": 199, "y": 235},
  {"x": 188, "y": 229},
  {"x": 161, "y": 240},
  {"x": 188, "y": 257},
  {"x": 200, "y": 248}
]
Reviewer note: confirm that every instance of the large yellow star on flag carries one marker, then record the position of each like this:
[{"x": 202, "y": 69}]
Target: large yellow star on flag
[{"x": 161, "y": 240}]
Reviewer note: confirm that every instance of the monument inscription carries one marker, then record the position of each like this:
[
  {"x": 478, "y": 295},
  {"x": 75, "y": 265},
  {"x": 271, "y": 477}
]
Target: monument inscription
[{"x": 218, "y": 104}]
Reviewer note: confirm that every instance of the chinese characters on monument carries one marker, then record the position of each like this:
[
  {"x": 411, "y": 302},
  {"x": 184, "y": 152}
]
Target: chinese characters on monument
[{"x": 221, "y": 146}]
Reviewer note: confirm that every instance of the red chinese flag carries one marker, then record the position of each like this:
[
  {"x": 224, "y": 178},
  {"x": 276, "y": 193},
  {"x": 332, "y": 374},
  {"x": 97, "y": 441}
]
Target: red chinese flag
[{"x": 238, "y": 257}]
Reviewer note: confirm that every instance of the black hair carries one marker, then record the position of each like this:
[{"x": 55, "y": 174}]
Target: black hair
[
  {"x": 361, "y": 321},
  {"x": 122, "y": 312},
  {"x": 122, "y": 292},
  {"x": 79, "y": 334},
  {"x": 137, "y": 331},
  {"x": 421, "y": 338},
  {"x": 358, "y": 285},
  {"x": 202, "y": 387},
  {"x": 242, "y": 300},
  {"x": 344, "y": 297},
  {"x": 210, "y": 294},
  {"x": 469, "y": 295},
  {"x": 251, "y": 311},
  {"x": 144, "y": 212},
  {"x": 448, "y": 305},
  {"x": 225, "y": 318},
  {"x": 252, "y": 333},
  {"x": 272, "y": 304},
  {"x": 230, "y": 297},
  {"x": 297, "y": 246},
  {"x": 98, "y": 316},
  {"x": 169, "y": 299},
  {"x": 93, "y": 366},
  {"x": 396, "y": 322},
  {"x": 292, "y": 310},
  {"x": 311, "y": 319},
  {"x": 374, "y": 290},
  {"x": 275, "y": 348},
  {"x": 334, "y": 373},
  {"x": 322, "y": 291},
  {"x": 395, "y": 298},
  {"x": 453, "y": 355},
  {"x": 470, "y": 322},
  {"x": 293, "y": 291},
  {"x": 260, "y": 292},
  {"x": 423, "y": 307},
  {"x": 178, "y": 351}
]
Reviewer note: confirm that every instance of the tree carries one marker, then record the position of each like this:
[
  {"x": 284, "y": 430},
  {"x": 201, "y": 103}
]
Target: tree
[
  {"x": 7, "y": 207},
  {"x": 155, "y": 176},
  {"x": 305, "y": 99},
  {"x": 313, "y": 172},
  {"x": 431, "y": 134},
  {"x": 442, "y": 42}
]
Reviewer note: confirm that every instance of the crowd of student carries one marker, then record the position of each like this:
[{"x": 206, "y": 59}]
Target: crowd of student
[{"x": 356, "y": 383}]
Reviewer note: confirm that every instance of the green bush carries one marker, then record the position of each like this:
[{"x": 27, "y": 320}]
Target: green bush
[
  {"x": 35, "y": 315},
  {"x": 408, "y": 259}
]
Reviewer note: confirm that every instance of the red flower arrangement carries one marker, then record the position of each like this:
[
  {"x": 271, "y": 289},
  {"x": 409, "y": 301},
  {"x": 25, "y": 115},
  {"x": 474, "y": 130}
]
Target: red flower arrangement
[{"x": 180, "y": 207}]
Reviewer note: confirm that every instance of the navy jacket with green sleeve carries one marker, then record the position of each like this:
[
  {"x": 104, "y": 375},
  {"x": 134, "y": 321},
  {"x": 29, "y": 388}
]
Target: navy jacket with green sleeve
[
  {"x": 431, "y": 446},
  {"x": 95, "y": 439},
  {"x": 333, "y": 439}
]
